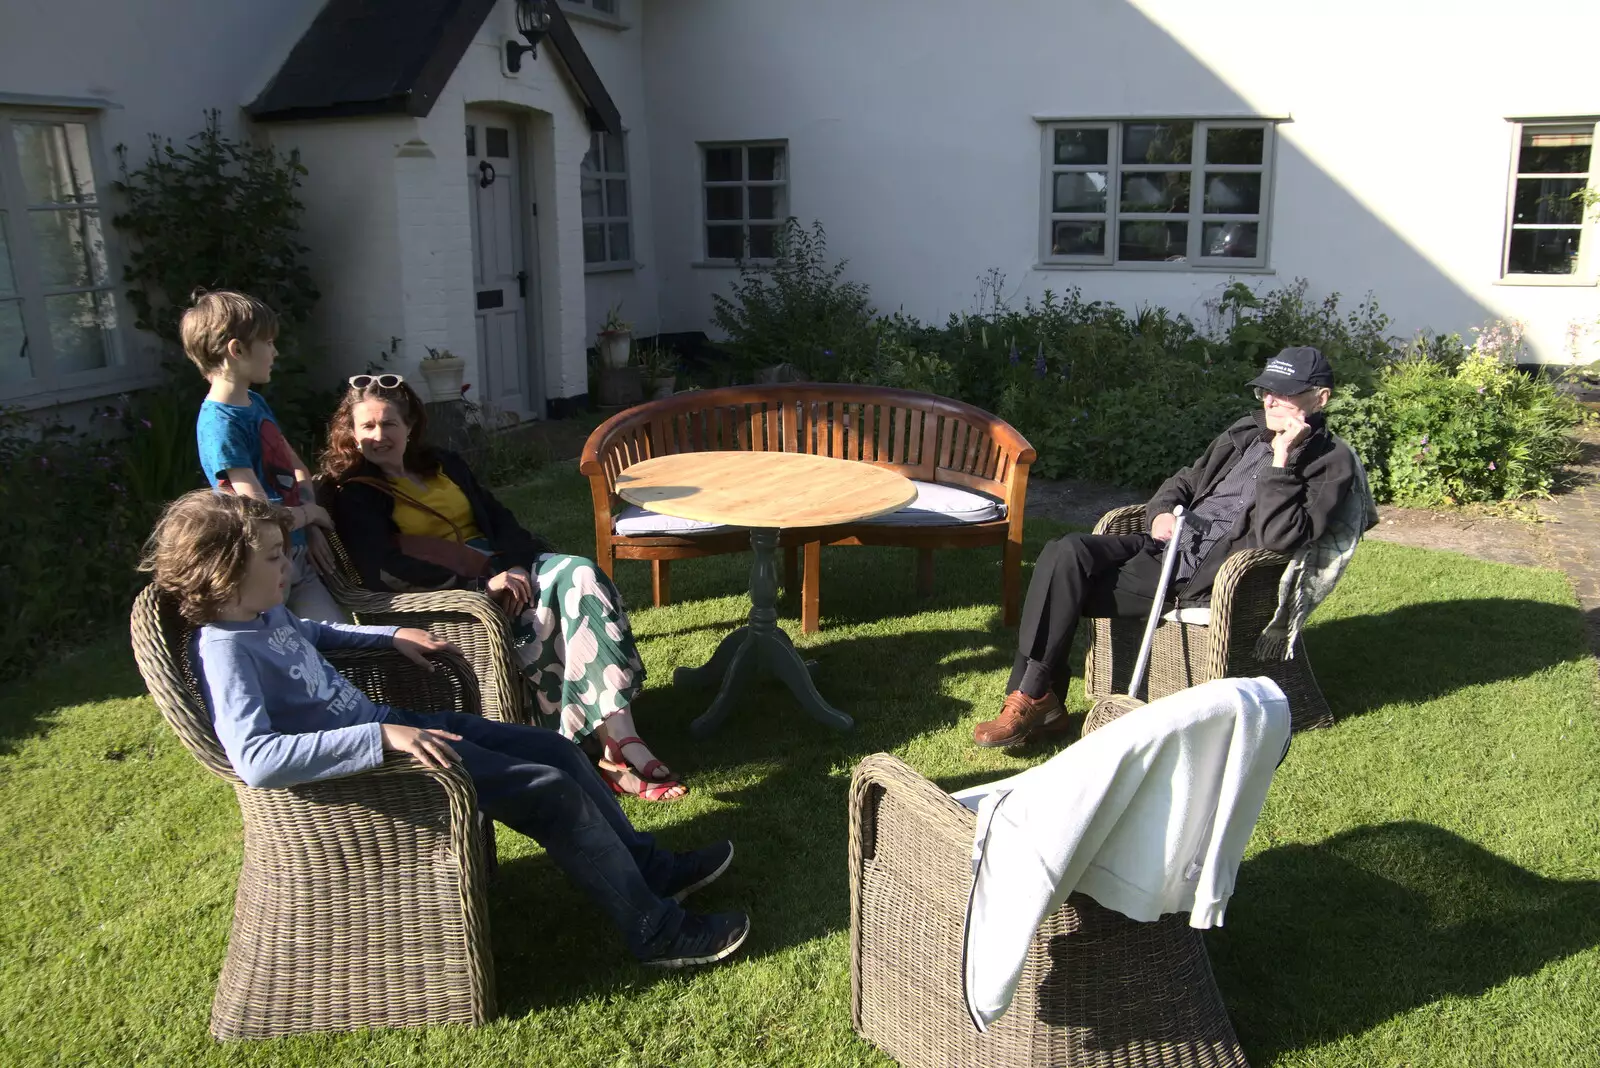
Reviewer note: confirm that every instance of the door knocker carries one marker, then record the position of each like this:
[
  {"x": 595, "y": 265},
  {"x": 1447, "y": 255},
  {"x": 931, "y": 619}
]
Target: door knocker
[{"x": 485, "y": 174}]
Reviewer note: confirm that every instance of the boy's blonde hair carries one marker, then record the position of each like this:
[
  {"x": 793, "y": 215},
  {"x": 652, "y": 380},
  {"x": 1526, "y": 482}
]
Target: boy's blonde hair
[
  {"x": 201, "y": 546},
  {"x": 221, "y": 316}
]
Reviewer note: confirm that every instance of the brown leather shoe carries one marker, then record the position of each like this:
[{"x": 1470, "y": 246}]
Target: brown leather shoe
[{"x": 1019, "y": 717}]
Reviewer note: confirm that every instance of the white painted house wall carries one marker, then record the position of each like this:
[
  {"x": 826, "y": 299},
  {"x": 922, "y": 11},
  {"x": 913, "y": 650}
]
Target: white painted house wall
[
  {"x": 162, "y": 63},
  {"x": 351, "y": 207},
  {"x": 913, "y": 137},
  {"x": 616, "y": 48}
]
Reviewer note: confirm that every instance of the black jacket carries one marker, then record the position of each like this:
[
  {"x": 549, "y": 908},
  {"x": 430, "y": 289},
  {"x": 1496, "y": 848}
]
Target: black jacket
[
  {"x": 364, "y": 516},
  {"x": 1292, "y": 503}
]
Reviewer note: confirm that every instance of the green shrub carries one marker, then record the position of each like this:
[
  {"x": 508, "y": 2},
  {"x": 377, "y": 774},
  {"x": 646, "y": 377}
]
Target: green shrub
[
  {"x": 1256, "y": 326},
  {"x": 798, "y": 310},
  {"x": 1130, "y": 398},
  {"x": 76, "y": 504},
  {"x": 1480, "y": 432},
  {"x": 216, "y": 213}
]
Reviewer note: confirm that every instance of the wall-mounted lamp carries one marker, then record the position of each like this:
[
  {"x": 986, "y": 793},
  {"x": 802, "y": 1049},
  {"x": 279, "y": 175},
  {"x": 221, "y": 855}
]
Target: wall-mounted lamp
[{"x": 533, "y": 21}]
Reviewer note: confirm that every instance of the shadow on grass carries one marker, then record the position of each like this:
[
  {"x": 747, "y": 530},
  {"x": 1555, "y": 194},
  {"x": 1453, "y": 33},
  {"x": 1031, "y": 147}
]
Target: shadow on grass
[
  {"x": 1424, "y": 651},
  {"x": 785, "y": 808},
  {"x": 890, "y": 684},
  {"x": 1330, "y": 940},
  {"x": 103, "y": 672},
  {"x": 860, "y": 584},
  {"x": 553, "y": 948}
]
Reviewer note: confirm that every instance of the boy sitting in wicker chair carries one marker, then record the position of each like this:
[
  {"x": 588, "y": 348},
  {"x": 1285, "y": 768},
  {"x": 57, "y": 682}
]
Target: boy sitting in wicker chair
[{"x": 285, "y": 716}]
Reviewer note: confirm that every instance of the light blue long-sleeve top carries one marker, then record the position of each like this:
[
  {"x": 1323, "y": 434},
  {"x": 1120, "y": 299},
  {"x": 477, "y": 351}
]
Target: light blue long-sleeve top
[{"x": 282, "y": 713}]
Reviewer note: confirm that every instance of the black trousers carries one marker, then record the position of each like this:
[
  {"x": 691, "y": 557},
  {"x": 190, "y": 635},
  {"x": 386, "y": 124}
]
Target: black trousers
[{"x": 1096, "y": 575}]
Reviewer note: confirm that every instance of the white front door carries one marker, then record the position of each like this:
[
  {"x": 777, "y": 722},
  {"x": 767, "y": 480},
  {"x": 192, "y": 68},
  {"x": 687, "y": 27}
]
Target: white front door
[{"x": 501, "y": 235}]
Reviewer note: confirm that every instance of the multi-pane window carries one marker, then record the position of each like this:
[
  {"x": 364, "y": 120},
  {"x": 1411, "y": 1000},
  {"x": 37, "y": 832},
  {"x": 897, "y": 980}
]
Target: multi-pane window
[
  {"x": 58, "y": 319},
  {"x": 745, "y": 199},
  {"x": 1175, "y": 192},
  {"x": 1553, "y": 173},
  {"x": 607, "y": 238}
]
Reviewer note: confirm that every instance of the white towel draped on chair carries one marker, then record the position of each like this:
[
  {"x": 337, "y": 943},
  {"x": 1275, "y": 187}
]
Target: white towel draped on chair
[{"x": 1148, "y": 815}]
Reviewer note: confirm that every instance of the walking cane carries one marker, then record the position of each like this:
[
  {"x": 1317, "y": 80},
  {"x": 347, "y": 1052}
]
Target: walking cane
[
  {"x": 1168, "y": 560},
  {"x": 1115, "y": 705}
]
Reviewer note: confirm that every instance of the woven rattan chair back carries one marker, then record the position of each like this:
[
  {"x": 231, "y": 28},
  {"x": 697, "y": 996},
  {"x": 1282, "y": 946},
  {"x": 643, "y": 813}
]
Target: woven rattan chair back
[
  {"x": 472, "y": 621},
  {"x": 1097, "y": 990}
]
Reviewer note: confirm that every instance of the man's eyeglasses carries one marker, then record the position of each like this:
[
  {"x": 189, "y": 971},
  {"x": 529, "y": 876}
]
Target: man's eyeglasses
[
  {"x": 381, "y": 381},
  {"x": 1263, "y": 394}
]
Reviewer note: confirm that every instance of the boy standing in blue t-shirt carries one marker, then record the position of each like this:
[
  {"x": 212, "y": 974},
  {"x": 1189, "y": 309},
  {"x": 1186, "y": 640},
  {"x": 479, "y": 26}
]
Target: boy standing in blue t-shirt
[{"x": 232, "y": 338}]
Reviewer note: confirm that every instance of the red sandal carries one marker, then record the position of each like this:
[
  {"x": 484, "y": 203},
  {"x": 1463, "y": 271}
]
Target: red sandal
[
  {"x": 653, "y": 770},
  {"x": 650, "y": 791}
]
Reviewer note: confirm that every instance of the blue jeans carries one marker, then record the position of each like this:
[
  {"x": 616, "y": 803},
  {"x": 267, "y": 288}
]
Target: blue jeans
[{"x": 537, "y": 782}]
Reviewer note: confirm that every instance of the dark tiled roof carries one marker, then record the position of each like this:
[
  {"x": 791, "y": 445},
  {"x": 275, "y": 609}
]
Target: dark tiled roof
[{"x": 393, "y": 57}]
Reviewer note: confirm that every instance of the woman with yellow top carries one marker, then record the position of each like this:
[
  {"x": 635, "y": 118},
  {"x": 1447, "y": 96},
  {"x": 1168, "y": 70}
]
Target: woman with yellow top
[{"x": 415, "y": 518}]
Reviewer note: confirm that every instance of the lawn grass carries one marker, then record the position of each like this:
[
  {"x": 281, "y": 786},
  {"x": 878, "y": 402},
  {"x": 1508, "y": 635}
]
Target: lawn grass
[{"x": 1421, "y": 889}]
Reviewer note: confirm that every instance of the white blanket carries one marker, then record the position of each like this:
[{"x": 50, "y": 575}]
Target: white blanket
[{"x": 1147, "y": 815}]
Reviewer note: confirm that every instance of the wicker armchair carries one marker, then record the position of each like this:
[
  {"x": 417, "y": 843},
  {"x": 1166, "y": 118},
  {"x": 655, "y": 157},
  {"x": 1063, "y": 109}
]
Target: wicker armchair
[
  {"x": 1243, "y": 600},
  {"x": 361, "y": 899},
  {"x": 473, "y": 621},
  {"x": 1097, "y": 989}
]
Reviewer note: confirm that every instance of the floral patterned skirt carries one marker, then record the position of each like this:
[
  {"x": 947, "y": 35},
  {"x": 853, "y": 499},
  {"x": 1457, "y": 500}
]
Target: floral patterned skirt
[{"x": 576, "y": 647}]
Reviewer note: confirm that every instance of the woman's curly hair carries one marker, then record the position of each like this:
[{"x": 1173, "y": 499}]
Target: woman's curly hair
[
  {"x": 341, "y": 457},
  {"x": 201, "y": 547}
]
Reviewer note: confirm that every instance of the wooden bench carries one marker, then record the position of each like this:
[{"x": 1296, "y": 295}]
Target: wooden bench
[{"x": 971, "y": 468}]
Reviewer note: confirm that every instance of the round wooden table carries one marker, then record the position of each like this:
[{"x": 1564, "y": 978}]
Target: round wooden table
[{"x": 767, "y": 492}]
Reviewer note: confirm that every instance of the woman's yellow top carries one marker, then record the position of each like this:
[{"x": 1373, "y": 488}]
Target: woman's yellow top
[{"x": 443, "y": 496}]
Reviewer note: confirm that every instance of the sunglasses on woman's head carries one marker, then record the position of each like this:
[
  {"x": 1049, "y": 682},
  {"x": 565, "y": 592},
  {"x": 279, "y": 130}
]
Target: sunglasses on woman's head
[{"x": 381, "y": 381}]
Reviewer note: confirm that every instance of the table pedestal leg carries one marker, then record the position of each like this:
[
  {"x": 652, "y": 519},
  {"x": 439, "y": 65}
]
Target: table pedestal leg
[
  {"x": 759, "y": 644},
  {"x": 712, "y": 671}
]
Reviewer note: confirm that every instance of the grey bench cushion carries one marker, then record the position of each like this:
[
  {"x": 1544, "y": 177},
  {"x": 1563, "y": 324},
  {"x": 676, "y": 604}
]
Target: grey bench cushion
[
  {"x": 938, "y": 504},
  {"x": 642, "y": 522}
]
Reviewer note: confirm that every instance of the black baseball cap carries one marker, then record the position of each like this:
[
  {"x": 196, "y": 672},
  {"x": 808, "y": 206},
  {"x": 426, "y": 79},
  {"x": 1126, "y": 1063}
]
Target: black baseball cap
[{"x": 1295, "y": 370}]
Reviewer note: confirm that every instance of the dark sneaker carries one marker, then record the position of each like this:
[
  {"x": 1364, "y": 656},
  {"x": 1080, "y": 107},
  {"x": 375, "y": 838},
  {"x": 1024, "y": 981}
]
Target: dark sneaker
[
  {"x": 703, "y": 940},
  {"x": 698, "y": 869}
]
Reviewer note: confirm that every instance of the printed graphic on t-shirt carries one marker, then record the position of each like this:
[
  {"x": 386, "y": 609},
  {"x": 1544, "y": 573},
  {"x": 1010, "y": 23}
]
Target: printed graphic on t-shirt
[
  {"x": 321, "y": 680},
  {"x": 277, "y": 464}
]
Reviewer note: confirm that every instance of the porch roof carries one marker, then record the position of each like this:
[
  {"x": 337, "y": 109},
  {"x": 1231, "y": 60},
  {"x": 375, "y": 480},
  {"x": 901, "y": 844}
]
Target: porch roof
[{"x": 393, "y": 57}]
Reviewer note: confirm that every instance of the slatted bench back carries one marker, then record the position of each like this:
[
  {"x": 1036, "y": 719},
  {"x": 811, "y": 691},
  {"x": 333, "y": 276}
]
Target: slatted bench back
[{"x": 924, "y": 437}]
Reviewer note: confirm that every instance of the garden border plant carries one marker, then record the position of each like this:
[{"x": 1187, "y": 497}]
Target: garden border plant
[
  {"x": 1129, "y": 397},
  {"x": 75, "y": 503}
]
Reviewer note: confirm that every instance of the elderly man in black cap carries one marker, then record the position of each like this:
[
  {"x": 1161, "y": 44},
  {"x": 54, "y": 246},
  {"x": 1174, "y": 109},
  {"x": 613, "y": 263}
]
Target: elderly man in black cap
[{"x": 1270, "y": 481}]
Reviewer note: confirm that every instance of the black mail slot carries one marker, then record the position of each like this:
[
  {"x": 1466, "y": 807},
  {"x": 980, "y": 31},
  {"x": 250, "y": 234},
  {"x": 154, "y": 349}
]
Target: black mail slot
[{"x": 491, "y": 298}]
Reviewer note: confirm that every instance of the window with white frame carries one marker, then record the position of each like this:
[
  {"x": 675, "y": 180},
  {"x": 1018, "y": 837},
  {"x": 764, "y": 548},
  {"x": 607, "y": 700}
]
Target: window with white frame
[
  {"x": 58, "y": 317},
  {"x": 607, "y": 232},
  {"x": 1172, "y": 192},
  {"x": 745, "y": 199},
  {"x": 1550, "y": 201}
]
